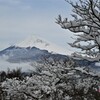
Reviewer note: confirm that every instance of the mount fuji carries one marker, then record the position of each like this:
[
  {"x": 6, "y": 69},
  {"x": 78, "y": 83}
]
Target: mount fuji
[
  {"x": 28, "y": 53},
  {"x": 32, "y": 49},
  {"x": 43, "y": 44}
]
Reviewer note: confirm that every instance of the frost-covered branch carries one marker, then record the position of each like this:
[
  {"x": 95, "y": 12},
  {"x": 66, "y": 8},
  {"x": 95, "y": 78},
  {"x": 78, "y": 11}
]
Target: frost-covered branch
[
  {"x": 65, "y": 83},
  {"x": 86, "y": 14}
]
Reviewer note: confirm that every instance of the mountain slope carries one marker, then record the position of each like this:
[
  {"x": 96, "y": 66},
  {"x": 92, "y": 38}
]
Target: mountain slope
[
  {"x": 42, "y": 44},
  {"x": 33, "y": 49},
  {"x": 26, "y": 58},
  {"x": 21, "y": 54}
]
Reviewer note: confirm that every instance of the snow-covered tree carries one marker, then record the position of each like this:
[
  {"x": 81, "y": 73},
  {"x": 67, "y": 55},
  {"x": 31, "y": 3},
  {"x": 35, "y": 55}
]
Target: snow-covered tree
[
  {"x": 54, "y": 82},
  {"x": 86, "y": 24}
]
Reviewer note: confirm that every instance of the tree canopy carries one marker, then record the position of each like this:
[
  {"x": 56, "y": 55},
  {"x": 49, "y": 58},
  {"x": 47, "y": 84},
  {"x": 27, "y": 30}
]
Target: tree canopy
[{"x": 86, "y": 24}]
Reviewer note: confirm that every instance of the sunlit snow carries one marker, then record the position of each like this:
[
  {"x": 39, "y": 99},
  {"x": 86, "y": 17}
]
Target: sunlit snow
[{"x": 43, "y": 44}]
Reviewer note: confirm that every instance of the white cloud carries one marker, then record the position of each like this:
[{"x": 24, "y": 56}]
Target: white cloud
[{"x": 25, "y": 67}]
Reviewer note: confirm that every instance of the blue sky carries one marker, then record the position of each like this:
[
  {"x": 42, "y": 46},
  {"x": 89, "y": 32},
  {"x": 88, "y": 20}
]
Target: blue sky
[{"x": 20, "y": 19}]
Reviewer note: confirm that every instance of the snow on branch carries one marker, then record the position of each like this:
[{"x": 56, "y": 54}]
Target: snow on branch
[
  {"x": 66, "y": 83},
  {"x": 86, "y": 14}
]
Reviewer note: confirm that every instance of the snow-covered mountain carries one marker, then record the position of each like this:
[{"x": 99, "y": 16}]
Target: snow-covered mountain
[
  {"x": 43, "y": 44},
  {"x": 33, "y": 49},
  {"x": 24, "y": 57}
]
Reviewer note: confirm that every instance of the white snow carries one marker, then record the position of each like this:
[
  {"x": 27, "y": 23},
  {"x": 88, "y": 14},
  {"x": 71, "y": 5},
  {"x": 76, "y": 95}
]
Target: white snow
[
  {"x": 43, "y": 44},
  {"x": 32, "y": 41},
  {"x": 97, "y": 64}
]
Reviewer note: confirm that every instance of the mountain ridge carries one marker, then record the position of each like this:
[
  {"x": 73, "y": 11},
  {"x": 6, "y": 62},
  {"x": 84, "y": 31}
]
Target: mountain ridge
[{"x": 38, "y": 42}]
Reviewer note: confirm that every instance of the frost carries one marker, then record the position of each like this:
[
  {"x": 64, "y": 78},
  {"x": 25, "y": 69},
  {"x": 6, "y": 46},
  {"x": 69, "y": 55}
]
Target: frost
[
  {"x": 86, "y": 24},
  {"x": 63, "y": 83}
]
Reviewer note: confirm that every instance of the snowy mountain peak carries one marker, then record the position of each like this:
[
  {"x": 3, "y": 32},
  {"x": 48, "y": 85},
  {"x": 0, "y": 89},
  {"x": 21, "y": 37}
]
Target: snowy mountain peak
[
  {"x": 43, "y": 44},
  {"x": 33, "y": 41}
]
